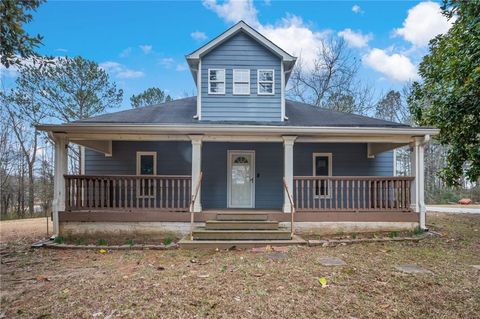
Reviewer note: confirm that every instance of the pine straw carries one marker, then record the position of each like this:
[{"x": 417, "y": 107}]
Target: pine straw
[{"x": 242, "y": 284}]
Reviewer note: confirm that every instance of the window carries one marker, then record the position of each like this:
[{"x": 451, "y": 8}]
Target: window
[
  {"x": 322, "y": 166},
  {"x": 216, "y": 81},
  {"x": 241, "y": 82},
  {"x": 146, "y": 165},
  {"x": 266, "y": 82}
]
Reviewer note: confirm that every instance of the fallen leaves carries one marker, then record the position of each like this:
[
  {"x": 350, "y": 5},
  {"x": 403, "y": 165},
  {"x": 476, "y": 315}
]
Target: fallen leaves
[{"x": 323, "y": 282}]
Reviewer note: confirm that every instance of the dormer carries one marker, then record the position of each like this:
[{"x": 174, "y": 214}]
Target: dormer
[{"x": 240, "y": 77}]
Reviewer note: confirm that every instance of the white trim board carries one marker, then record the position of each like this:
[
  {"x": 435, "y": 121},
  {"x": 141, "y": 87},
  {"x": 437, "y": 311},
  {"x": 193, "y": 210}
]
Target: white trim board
[
  {"x": 232, "y": 129},
  {"x": 146, "y": 153}
]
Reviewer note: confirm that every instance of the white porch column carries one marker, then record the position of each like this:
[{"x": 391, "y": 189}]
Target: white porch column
[
  {"x": 418, "y": 184},
  {"x": 288, "y": 142},
  {"x": 61, "y": 168},
  {"x": 196, "y": 169}
]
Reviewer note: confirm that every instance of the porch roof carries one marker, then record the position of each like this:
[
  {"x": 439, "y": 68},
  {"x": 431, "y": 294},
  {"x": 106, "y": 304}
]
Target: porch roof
[{"x": 182, "y": 111}]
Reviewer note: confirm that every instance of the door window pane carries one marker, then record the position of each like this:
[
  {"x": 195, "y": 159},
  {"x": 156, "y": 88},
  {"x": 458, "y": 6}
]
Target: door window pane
[
  {"x": 322, "y": 164},
  {"x": 146, "y": 165}
]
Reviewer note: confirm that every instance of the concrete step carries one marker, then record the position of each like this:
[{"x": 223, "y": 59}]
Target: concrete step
[
  {"x": 242, "y": 216},
  {"x": 241, "y": 224},
  {"x": 201, "y": 233},
  {"x": 186, "y": 243}
]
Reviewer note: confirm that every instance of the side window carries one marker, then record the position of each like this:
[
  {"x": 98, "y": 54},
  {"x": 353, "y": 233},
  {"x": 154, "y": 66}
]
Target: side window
[
  {"x": 322, "y": 166},
  {"x": 216, "y": 81},
  {"x": 241, "y": 82},
  {"x": 146, "y": 165},
  {"x": 265, "y": 79}
]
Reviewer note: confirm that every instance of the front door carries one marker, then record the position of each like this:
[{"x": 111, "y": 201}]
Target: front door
[{"x": 241, "y": 179}]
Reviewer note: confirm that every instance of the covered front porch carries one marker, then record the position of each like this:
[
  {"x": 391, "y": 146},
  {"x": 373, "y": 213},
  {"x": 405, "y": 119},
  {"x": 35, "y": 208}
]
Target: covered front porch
[{"x": 355, "y": 182}]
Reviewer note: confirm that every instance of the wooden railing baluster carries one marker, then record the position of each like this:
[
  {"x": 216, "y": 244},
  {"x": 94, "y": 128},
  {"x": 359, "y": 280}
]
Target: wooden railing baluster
[{"x": 352, "y": 193}]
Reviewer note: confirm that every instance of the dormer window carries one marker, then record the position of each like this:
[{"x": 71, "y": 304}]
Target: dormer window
[
  {"x": 265, "y": 82},
  {"x": 216, "y": 81},
  {"x": 241, "y": 82}
]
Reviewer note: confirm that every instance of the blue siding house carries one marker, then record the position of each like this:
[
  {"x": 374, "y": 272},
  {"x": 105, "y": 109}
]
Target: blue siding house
[{"x": 238, "y": 161}]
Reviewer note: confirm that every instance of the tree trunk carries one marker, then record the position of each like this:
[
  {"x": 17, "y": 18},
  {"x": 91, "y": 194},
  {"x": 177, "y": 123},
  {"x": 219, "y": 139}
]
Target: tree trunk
[{"x": 31, "y": 190}]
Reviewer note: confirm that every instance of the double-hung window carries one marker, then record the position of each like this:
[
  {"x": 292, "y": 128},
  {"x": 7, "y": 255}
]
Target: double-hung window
[
  {"x": 146, "y": 165},
  {"x": 265, "y": 79},
  {"x": 216, "y": 81},
  {"x": 322, "y": 166},
  {"x": 241, "y": 81}
]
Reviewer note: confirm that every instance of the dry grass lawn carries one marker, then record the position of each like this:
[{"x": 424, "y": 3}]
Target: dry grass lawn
[{"x": 46, "y": 283}]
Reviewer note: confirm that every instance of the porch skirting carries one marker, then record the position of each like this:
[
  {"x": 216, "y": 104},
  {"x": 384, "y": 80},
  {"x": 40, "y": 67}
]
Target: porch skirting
[{"x": 150, "y": 222}]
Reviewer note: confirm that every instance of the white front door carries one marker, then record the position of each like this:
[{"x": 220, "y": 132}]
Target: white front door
[{"x": 241, "y": 179}]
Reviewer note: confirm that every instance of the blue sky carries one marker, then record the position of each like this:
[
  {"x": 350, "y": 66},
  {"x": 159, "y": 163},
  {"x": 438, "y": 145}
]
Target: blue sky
[{"x": 143, "y": 44}]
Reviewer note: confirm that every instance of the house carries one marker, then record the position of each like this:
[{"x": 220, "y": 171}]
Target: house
[{"x": 239, "y": 157}]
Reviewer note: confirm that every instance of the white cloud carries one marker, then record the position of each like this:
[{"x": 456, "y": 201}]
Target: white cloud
[
  {"x": 423, "y": 23},
  {"x": 126, "y": 52},
  {"x": 291, "y": 33},
  {"x": 120, "y": 71},
  {"x": 146, "y": 48},
  {"x": 234, "y": 10},
  {"x": 167, "y": 62},
  {"x": 61, "y": 50},
  {"x": 356, "y": 9},
  {"x": 198, "y": 35},
  {"x": 396, "y": 66},
  {"x": 355, "y": 39},
  {"x": 181, "y": 67}
]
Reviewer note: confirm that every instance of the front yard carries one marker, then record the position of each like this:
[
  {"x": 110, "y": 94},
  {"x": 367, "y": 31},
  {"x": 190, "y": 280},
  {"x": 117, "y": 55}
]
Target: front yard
[{"x": 232, "y": 284}]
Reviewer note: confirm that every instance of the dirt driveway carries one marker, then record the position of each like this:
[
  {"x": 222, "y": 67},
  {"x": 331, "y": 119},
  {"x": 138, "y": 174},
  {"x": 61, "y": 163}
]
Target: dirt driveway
[{"x": 46, "y": 283}]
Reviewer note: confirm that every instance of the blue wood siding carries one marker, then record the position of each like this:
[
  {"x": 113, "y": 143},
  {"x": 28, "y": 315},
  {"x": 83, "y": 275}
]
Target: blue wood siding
[
  {"x": 240, "y": 52},
  {"x": 174, "y": 158},
  {"x": 268, "y": 170},
  {"x": 348, "y": 159}
]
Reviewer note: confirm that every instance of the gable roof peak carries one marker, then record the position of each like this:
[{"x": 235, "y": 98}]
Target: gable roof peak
[{"x": 233, "y": 30}]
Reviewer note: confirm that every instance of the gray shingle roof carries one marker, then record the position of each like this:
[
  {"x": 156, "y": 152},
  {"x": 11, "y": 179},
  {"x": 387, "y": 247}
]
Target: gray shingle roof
[{"x": 182, "y": 111}]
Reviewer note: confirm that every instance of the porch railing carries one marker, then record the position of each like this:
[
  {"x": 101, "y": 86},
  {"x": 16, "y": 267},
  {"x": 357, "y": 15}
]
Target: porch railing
[
  {"x": 352, "y": 193},
  {"x": 160, "y": 192}
]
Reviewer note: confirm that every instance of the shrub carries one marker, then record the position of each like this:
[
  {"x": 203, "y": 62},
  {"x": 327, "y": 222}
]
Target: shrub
[
  {"x": 418, "y": 231},
  {"x": 59, "y": 240},
  {"x": 167, "y": 241},
  {"x": 101, "y": 242},
  {"x": 393, "y": 234}
]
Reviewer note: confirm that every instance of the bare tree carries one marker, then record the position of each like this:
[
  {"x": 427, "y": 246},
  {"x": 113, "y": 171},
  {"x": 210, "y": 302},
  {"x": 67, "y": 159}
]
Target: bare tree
[
  {"x": 24, "y": 112},
  {"x": 330, "y": 80}
]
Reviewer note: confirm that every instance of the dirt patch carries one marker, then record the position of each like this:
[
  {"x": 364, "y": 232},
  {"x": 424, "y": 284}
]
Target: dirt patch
[{"x": 46, "y": 283}]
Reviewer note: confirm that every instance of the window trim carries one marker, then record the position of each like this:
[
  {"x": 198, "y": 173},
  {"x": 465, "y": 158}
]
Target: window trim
[
  {"x": 233, "y": 82},
  {"x": 224, "y": 81},
  {"x": 314, "y": 171},
  {"x": 273, "y": 81},
  {"x": 139, "y": 157},
  {"x": 145, "y": 153}
]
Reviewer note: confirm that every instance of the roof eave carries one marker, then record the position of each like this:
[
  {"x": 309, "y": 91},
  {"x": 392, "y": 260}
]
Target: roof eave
[{"x": 232, "y": 129}]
